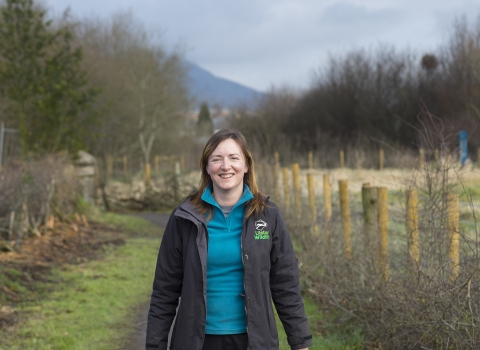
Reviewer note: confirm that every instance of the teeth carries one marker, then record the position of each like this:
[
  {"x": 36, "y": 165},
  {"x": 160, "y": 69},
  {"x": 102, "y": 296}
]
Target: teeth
[{"x": 226, "y": 176}]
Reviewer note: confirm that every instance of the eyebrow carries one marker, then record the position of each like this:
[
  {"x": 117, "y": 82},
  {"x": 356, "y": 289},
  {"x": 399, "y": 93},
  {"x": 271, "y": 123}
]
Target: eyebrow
[{"x": 219, "y": 155}]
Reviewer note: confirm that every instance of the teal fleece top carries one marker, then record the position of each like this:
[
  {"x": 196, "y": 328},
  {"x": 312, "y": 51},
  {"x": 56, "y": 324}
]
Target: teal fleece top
[{"x": 225, "y": 300}]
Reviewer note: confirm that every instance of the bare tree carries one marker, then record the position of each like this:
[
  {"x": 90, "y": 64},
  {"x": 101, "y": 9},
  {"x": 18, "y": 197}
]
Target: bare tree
[
  {"x": 265, "y": 124},
  {"x": 144, "y": 94}
]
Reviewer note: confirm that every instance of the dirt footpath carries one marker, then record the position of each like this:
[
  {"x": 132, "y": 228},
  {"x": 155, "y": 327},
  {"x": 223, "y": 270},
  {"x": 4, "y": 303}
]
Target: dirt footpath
[{"x": 157, "y": 218}]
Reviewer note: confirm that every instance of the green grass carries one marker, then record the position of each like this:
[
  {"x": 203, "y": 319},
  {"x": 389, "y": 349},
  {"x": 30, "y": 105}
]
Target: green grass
[
  {"x": 10, "y": 278},
  {"x": 91, "y": 305},
  {"x": 128, "y": 223},
  {"x": 340, "y": 340},
  {"x": 467, "y": 189}
]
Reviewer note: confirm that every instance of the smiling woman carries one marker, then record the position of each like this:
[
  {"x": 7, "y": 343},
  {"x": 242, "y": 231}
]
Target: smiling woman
[
  {"x": 227, "y": 253},
  {"x": 226, "y": 167}
]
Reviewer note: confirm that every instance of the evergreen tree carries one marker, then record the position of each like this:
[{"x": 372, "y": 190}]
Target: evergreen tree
[
  {"x": 41, "y": 79},
  {"x": 204, "y": 123}
]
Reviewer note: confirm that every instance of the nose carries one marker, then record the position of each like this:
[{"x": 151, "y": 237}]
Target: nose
[{"x": 225, "y": 164}]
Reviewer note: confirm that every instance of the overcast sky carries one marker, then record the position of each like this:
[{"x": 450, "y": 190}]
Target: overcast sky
[{"x": 260, "y": 43}]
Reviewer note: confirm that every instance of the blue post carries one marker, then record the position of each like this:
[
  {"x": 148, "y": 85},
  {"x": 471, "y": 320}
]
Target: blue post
[{"x": 463, "y": 149}]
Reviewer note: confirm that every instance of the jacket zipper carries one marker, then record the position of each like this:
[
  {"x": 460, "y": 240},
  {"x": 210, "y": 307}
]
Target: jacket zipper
[
  {"x": 243, "y": 262},
  {"x": 204, "y": 279}
]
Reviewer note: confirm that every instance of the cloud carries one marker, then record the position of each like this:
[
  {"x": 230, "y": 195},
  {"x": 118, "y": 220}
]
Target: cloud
[{"x": 259, "y": 42}]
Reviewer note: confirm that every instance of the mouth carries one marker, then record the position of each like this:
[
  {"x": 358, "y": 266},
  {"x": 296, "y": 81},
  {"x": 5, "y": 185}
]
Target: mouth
[{"x": 225, "y": 176}]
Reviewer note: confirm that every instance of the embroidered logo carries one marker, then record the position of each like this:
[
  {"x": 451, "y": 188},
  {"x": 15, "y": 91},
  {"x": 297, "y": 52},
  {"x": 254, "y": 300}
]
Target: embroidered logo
[
  {"x": 260, "y": 225},
  {"x": 260, "y": 232}
]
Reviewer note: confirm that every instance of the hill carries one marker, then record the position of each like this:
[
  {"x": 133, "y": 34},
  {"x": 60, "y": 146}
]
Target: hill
[{"x": 204, "y": 86}]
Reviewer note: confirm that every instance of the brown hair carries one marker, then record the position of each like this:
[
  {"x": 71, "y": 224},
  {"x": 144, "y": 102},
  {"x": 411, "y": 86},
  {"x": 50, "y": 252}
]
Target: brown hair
[{"x": 257, "y": 203}]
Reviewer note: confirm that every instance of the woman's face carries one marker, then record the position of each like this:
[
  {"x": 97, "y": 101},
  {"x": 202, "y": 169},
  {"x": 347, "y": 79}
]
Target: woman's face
[{"x": 227, "y": 167}]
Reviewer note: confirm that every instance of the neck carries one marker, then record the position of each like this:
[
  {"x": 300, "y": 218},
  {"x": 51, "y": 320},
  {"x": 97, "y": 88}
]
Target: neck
[{"x": 227, "y": 198}]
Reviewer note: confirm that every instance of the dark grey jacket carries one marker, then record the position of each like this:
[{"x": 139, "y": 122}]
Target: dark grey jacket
[{"x": 270, "y": 273}]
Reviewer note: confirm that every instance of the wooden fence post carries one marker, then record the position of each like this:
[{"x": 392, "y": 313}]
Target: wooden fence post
[
  {"x": 147, "y": 179},
  {"x": 12, "y": 222},
  {"x": 382, "y": 199},
  {"x": 369, "y": 201},
  {"x": 286, "y": 189},
  {"x": 478, "y": 157},
  {"x": 453, "y": 235},
  {"x": 381, "y": 159},
  {"x": 125, "y": 166},
  {"x": 297, "y": 189},
  {"x": 313, "y": 207},
  {"x": 172, "y": 164},
  {"x": 310, "y": 160},
  {"x": 267, "y": 178},
  {"x": 412, "y": 230},
  {"x": 436, "y": 155},
  {"x": 421, "y": 158},
  {"x": 157, "y": 165},
  {"x": 345, "y": 214},
  {"x": 109, "y": 167},
  {"x": 96, "y": 184},
  {"x": 276, "y": 175},
  {"x": 182, "y": 163},
  {"x": 327, "y": 205},
  {"x": 342, "y": 159},
  {"x": 260, "y": 174}
]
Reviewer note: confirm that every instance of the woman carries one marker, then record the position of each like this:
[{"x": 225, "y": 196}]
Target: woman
[{"x": 227, "y": 253}]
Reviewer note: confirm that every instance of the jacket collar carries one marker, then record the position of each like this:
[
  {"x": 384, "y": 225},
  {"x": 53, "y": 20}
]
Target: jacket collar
[
  {"x": 207, "y": 196},
  {"x": 188, "y": 211},
  {"x": 187, "y": 208}
]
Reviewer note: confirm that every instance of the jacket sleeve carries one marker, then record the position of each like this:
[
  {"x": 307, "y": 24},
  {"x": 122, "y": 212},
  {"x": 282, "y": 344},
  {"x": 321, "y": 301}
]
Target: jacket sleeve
[
  {"x": 167, "y": 286},
  {"x": 285, "y": 287}
]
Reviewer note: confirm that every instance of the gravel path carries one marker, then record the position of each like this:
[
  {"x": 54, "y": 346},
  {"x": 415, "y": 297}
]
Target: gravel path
[{"x": 137, "y": 338}]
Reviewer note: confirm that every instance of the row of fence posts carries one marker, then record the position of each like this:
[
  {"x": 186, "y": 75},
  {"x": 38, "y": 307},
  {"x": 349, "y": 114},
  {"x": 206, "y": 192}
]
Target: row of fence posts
[
  {"x": 375, "y": 215},
  {"x": 173, "y": 166},
  {"x": 176, "y": 164},
  {"x": 381, "y": 158}
]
